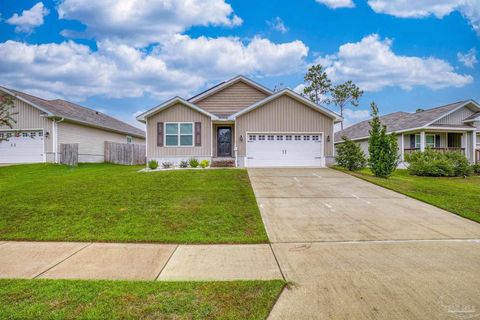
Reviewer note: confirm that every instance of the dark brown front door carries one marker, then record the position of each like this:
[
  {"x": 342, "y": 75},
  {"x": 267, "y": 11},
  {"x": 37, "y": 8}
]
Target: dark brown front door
[{"x": 224, "y": 142}]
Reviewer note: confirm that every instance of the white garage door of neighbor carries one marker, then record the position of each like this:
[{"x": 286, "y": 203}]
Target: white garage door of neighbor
[
  {"x": 284, "y": 150},
  {"x": 21, "y": 147}
]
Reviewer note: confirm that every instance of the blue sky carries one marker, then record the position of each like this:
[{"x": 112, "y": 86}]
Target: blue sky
[{"x": 124, "y": 57}]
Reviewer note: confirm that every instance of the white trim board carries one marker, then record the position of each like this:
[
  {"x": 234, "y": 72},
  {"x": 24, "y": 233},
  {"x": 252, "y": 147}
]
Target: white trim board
[{"x": 171, "y": 102}]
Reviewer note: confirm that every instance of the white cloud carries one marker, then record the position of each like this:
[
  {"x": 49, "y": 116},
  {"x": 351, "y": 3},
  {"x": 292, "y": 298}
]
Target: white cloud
[
  {"x": 75, "y": 72},
  {"x": 334, "y": 4},
  {"x": 29, "y": 19},
  {"x": 352, "y": 116},
  {"x": 468, "y": 59},
  {"x": 470, "y": 9},
  {"x": 277, "y": 24},
  {"x": 142, "y": 22},
  {"x": 299, "y": 88},
  {"x": 373, "y": 65}
]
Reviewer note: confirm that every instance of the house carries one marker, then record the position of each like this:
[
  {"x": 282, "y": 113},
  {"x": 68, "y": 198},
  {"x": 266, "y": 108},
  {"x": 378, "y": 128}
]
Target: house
[
  {"x": 42, "y": 125},
  {"x": 242, "y": 123},
  {"x": 453, "y": 127}
]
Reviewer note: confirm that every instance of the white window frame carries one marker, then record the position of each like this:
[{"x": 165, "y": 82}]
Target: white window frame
[
  {"x": 417, "y": 144},
  {"x": 178, "y": 134}
]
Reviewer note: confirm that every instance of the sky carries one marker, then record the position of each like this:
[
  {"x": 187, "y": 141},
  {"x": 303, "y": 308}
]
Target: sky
[{"x": 123, "y": 57}]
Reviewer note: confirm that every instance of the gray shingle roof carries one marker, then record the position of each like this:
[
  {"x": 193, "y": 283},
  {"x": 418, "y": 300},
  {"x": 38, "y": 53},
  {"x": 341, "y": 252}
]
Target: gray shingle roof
[
  {"x": 75, "y": 112},
  {"x": 473, "y": 116},
  {"x": 398, "y": 121}
]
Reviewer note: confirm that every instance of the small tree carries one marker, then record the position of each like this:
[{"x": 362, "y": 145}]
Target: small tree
[
  {"x": 350, "y": 155},
  {"x": 317, "y": 84},
  {"x": 6, "y": 113},
  {"x": 382, "y": 147},
  {"x": 344, "y": 94}
]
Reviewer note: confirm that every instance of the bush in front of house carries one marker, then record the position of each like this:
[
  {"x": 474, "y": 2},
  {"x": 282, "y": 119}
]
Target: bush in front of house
[
  {"x": 204, "y": 163},
  {"x": 350, "y": 155},
  {"x": 153, "y": 164},
  {"x": 167, "y": 165},
  {"x": 183, "y": 164},
  {"x": 193, "y": 163},
  {"x": 436, "y": 164},
  {"x": 476, "y": 168},
  {"x": 382, "y": 147}
]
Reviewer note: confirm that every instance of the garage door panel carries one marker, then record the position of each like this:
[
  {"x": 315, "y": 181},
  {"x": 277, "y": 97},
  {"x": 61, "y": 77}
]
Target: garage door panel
[
  {"x": 284, "y": 150},
  {"x": 22, "y": 147}
]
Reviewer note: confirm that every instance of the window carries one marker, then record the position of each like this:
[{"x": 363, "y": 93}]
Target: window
[
  {"x": 315, "y": 138},
  {"x": 279, "y": 138},
  {"x": 430, "y": 141},
  {"x": 33, "y": 134},
  {"x": 288, "y": 138},
  {"x": 129, "y": 139},
  {"x": 270, "y": 138},
  {"x": 297, "y": 138},
  {"x": 306, "y": 138},
  {"x": 40, "y": 134},
  {"x": 252, "y": 137},
  {"x": 1, "y": 135},
  {"x": 261, "y": 137},
  {"x": 179, "y": 134},
  {"x": 25, "y": 134}
]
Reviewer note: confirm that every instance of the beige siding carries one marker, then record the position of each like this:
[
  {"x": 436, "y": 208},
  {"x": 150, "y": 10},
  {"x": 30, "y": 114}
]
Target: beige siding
[
  {"x": 178, "y": 113},
  {"x": 456, "y": 117},
  {"x": 29, "y": 117},
  {"x": 91, "y": 140},
  {"x": 231, "y": 99},
  {"x": 284, "y": 114}
]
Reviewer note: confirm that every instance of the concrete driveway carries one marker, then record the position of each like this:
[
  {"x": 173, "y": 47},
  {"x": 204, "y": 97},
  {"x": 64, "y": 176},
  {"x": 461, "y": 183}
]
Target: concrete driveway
[{"x": 354, "y": 250}]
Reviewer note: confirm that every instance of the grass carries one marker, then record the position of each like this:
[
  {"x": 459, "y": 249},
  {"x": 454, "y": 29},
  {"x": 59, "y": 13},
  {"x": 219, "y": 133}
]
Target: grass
[
  {"x": 112, "y": 203},
  {"x": 77, "y": 299},
  {"x": 457, "y": 195}
]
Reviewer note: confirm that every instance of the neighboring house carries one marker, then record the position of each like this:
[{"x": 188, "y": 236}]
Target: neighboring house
[
  {"x": 42, "y": 125},
  {"x": 453, "y": 127},
  {"x": 241, "y": 122}
]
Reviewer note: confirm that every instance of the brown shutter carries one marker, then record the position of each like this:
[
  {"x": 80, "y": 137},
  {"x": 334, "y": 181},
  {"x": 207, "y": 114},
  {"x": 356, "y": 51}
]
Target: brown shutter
[
  {"x": 198, "y": 134},
  {"x": 160, "y": 134}
]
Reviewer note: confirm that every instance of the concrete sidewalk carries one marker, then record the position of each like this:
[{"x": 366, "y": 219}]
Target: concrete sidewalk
[{"x": 70, "y": 260}]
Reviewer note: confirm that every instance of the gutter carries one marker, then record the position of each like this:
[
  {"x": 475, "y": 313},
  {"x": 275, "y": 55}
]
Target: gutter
[{"x": 55, "y": 138}]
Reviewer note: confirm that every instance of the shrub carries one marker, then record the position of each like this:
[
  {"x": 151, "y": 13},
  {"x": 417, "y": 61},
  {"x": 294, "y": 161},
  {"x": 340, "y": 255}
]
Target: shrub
[
  {"x": 153, "y": 164},
  {"x": 167, "y": 165},
  {"x": 183, "y": 164},
  {"x": 382, "y": 147},
  {"x": 204, "y": 163},
  {"x": 436, "y": 164},
  {"x": 193, "y": 163},
  {"x": 350, "y": 155},
  {"x": 476, "y": 168}
]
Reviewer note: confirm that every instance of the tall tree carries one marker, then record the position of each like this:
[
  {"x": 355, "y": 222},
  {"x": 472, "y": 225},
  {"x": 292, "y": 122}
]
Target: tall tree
[
  {"x": 345, "y": 93},
  {"x": 317, "y": 84},
  {"x": 382, "y": 147},
  {"x": 6, "y": 113}
]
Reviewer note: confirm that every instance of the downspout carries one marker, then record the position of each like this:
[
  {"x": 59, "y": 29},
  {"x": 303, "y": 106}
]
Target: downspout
[{"x": 55, "y": 138}]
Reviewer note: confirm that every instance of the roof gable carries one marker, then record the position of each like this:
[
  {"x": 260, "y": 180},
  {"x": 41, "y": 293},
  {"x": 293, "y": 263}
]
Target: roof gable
[
  {"x": 293, "y": 95},
  {"x": 168, "y": 104},
  {"x": 223, "y": 85}
]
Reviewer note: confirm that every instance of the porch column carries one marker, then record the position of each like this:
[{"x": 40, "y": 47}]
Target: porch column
[
  {"x": 422, "y": 141},
  {"x": 402, "y": 148},
  {"x": 474, "y": 146}
]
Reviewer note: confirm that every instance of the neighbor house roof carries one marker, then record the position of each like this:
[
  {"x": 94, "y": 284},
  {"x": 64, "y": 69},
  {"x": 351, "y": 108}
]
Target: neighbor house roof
[
  {"x": 76, "y": 113},
  {"x": 403, "y": 121},
  {"x": 293, "y": 95}
]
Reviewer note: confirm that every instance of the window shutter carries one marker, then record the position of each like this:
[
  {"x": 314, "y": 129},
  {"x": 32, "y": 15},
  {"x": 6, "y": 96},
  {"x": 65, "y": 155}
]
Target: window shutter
[
  {"x": 198, "y": 134},
  {"x": 437, "y": 141},
  {"x": 160, "y": 134},
  {"x": 412, "y": 141}
]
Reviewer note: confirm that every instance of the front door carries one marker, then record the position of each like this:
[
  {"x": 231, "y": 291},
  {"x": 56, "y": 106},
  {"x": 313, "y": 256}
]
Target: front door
[{"x": 224, "y": 142}]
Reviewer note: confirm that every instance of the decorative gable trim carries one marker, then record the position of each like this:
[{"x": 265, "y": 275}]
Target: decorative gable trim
[
  {"x": 475, "y": 104},
  {"x": 171, "y": 102}
]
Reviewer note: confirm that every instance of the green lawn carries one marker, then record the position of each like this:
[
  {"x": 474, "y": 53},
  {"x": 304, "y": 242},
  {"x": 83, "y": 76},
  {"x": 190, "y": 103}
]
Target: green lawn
[
  {"x": 102, "y": 202},
  {"x": 458, "y": 195},
  {"x": 77, "y": 299}
]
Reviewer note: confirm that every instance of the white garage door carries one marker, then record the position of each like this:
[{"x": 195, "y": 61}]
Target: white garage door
[
  {"x": 21, "y": 147},
  {"x": 285, "y": 150}
]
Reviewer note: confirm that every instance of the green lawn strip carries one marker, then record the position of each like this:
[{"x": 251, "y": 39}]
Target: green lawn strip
[
  {"x": 457, "y": 195},
  {"x": 102, "y": 202},
  {"x": 79, "y": 299}
]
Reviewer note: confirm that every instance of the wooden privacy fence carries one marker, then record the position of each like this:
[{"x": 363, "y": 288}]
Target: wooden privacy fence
[
  {"x": 69, "y": 154},
  {"x": 124, "y": 153},
  {"x": 477, "y": 156}
]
